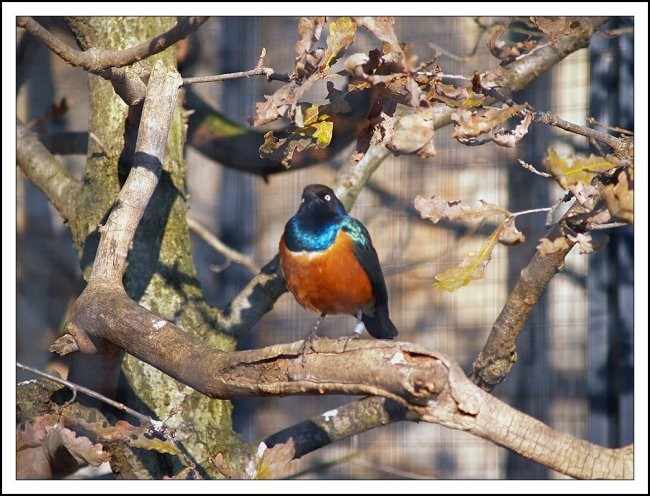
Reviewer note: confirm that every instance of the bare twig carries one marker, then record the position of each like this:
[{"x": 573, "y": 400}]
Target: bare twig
[
  {"x": 157, "y": 425},
  {"x": 100, "y": 144},
  {"x": 615, "y": 33},
  {"x": 259, "y": 70},
  {"x": 553, "y": 120},
  {"x": 531, "y": 168},
  {"x": 531, "y": 211},
  {"x": 593, "y": 122},
  {"x": 96, "y": 60},
  {"x": 232, "y": 255},
  {"x": 611, "y": 225}
]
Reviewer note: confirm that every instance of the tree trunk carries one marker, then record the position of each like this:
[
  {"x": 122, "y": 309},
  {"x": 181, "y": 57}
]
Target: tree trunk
[{"x": 161, "y": 275}]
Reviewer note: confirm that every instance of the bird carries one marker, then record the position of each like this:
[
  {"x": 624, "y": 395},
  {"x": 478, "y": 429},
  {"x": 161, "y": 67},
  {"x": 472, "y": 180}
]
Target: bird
[{"x": 331, "y": 267}]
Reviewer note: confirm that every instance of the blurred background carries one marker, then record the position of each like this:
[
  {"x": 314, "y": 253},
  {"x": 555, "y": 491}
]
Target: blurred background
[{"x": 576, "y": 353}]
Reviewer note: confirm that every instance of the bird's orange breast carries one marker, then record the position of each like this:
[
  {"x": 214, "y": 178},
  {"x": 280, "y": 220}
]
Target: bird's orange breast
[{"x": 330, "y": 281}]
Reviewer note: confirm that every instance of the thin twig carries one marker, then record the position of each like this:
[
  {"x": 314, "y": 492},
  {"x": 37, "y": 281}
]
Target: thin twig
[
  {"x": 611, "y": 225},
  {"x": 531, "y": 168},
  {"x": 259, "y": 70},
  {"x": 532, "y": 211},
  {"x": 98, "y": 59},
  {"x": 232, "y": 255},
  {"x": 441, "y": 51},
  {"x": 615, "y": 33},
  {"x": 157, "y": 425},
  {"x": 593, "y": 122},
  {"x": 553, "y": 120},
  {"x": 270, "y": 74},
  {"x": 100, "y": 144}
]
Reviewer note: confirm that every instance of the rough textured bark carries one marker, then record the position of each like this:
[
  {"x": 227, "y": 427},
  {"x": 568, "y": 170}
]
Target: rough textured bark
[{"x": 160, "y": 273}]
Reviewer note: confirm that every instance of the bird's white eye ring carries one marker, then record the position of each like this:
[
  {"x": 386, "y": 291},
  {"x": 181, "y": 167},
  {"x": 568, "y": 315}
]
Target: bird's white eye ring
[
  {"x": 302, "y": 200},
  {"x": 327, "y": 197}
]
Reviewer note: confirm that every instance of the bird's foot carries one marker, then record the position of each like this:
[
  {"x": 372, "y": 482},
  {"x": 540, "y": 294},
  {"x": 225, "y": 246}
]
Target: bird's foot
[
  {"x": 307, "y": 343},
  {"x": 355, "y": 335}
]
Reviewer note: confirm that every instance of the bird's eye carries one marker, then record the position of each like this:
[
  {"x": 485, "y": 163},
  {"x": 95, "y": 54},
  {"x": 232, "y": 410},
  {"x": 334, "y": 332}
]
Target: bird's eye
[
  {"x": 302, "y": 200},
  {"x": 327, "y": 197}
]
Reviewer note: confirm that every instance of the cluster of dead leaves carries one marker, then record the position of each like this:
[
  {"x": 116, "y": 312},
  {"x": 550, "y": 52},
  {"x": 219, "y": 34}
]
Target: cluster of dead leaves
[
  {"x": 603, "y": 186},
  {"x": 537, "y": 28},
  {"x": 473, "y": 265},
  {"x": 405, "y": 96},
  {"x": 46, "y": 448},
  {"x": 397, "y": 118},
  {"x": 595, "y": 179},
  {"x": 470, "y": 124}
]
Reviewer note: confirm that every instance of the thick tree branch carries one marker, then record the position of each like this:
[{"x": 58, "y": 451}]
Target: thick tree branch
[
  {"x": 96, "y": 60},
  {"x": 499, "y": 354},
  {"x": 405, "y": 373},
  {"x": 119, "y": 230},
  {"x": 427, "y": 385},
  {"x": 340, "y": 423},
  {"x": 101, "y": 373},
  {"x": 46, "y": 172}
]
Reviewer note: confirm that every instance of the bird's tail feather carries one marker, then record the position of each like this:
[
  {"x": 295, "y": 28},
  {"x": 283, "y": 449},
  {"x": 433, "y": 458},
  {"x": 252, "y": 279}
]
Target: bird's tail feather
[{"x": 379, "y": 325}]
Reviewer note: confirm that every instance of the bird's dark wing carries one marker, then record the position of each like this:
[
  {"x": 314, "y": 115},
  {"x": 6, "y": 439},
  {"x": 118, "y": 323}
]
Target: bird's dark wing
[{"x": 378, "y": 325}]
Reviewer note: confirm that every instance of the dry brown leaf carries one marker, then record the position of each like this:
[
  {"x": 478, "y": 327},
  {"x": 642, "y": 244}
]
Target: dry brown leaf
[
  {"x": 307, "y": 60},
  {"x": 81, "y": 448},
  {"x": 546, "y": 246},
  {"x": 364, "y": 137},
  {"x": 228, "y": 472},
  {"x": 277, "y": 462},
  {"x": 282, "y": 149},
  {"x": 354, "y": 64},
  {"x": 584, "y": 241},
  {"x": 437, "y": 208},
  {"x": 586, "y": 195},
  {"x": 454, "y": 96},
  {"x": 40, "y": 441},
  {"x": 383, "y": 29},
  {"x": 619, "y": 198},
  {"x": 507, "y": 51},
  {"x": 470, "y": 124},
  {"x": 137, "y": 436},
  {"x": 510, "y": 138},
  {"x": 552, "y": 27},
  {"x": 412, "y": 132},
  {"x": 509, "y": 234}
]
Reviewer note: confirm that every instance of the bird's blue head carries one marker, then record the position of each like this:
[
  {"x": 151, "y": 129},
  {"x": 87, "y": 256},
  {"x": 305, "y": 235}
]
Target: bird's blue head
[{"x": 317, "y": 222}]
